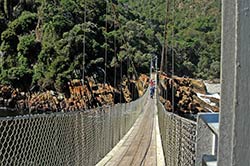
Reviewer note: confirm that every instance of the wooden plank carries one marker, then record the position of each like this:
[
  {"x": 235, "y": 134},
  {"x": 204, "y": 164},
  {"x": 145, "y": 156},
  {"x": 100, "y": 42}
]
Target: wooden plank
[
  {"x": 151, "y": 158},
  {"x": 146, "y": 139},
  {"x": 140, "y": 148},
  {"x": 126, "y": 144},
  {"x": 135, "y": 144}
]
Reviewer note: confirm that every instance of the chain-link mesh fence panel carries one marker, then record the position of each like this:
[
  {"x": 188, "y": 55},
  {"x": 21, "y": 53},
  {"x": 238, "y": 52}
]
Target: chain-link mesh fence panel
[
  {"x": 76, "y": 138},
  {"x": 178, "y": 136}
]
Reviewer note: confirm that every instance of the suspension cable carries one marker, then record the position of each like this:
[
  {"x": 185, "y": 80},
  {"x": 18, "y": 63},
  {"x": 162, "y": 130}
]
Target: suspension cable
[
  {"x": 106, "y": 44},
  {"x": 84, "y": 43},
  {"x": 121, "y": 81},
  {"x": 115, "y": 55},
  {"x": 173, "y": 56},
  {"x": 115, "y": 42},
  {"x": 164, "y": 51},
  {"x": 123, "y": 40}
]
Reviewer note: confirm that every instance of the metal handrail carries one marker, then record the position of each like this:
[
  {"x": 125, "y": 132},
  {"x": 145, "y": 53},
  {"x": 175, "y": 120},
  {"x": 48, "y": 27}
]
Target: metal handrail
[{"x": 178, "y": 137}]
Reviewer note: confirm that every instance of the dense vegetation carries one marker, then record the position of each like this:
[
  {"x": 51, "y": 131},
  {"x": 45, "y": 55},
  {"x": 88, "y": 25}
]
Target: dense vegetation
[{"x": 42, "y": 40}]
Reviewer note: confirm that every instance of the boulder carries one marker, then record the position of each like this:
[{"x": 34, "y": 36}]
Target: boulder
[{"x": 185, "y": 92}]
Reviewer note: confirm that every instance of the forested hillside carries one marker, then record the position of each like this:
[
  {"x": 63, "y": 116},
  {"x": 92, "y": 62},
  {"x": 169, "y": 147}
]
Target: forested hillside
[
  {"x": 192, "y": 34},
  {"x": 42, "y": 41}
]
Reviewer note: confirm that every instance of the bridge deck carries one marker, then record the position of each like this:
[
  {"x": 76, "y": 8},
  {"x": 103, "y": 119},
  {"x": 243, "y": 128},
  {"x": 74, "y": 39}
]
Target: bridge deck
[{"x": 141, "y": 145}]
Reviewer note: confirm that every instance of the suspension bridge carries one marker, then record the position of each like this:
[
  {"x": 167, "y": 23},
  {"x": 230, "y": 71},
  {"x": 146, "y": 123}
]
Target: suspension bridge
[
  {"x": 123, "y": 134},
  {"x": 143, "y": 132}
]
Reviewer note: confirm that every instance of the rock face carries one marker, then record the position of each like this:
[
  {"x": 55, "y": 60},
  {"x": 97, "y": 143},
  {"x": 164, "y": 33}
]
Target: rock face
[
  {"x": 198, "y": 86},
  {"x": 11, "y": 100},
  {"x": 80, "y": 97},
  {"x": 189, "y": 96},
  {"x": 183, "y": 93}
]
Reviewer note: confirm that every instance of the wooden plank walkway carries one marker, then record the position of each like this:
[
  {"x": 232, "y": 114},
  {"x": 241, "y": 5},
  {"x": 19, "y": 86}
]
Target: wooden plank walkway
[{"x": 141, "y": 145}]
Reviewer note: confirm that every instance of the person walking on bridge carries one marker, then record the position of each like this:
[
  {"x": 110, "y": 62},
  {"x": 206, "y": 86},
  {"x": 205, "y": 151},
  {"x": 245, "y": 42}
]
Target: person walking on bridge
[{"x": 152, "y": 88}]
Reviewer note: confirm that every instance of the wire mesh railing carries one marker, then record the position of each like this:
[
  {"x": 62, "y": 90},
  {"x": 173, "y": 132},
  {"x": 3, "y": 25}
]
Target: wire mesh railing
[
  {"x": 178, "y": 136},
  {"x": 76, "y": 138}
]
